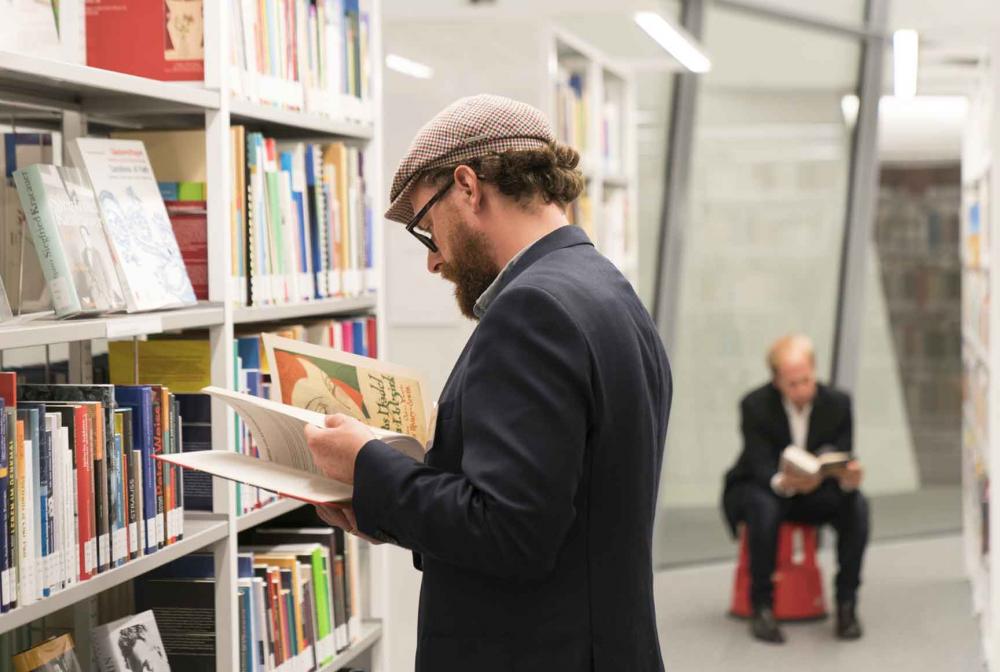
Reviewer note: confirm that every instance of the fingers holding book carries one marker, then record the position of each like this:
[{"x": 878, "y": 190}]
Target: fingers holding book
[
  {"x": 335, "y": 447},
  {"x": 342, "y": 517}
]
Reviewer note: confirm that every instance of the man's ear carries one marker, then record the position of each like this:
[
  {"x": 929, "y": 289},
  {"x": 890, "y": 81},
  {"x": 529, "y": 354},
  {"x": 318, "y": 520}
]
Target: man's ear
[{"x": 470, "y": 187}]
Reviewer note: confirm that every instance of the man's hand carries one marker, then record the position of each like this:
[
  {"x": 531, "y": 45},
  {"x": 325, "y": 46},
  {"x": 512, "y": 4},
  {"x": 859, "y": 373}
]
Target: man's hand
[
  {"x": 342, "y": 517},
  {"x": 851, "y": 475},
  {"x": 336, "y": 448},
  {"x": 799, "y": 483}
]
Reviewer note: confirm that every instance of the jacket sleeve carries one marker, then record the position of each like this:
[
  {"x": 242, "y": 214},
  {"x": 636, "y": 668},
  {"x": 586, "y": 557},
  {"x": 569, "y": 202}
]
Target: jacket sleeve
[
  {"x": 526, "y": 405},
  {"x": 760, "y": 454}
]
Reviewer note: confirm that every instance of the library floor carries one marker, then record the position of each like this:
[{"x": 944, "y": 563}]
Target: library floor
[{"x": 915, "y": 606}]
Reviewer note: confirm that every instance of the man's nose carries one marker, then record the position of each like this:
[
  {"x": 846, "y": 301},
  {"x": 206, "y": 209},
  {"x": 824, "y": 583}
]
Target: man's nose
[{"x": 434, "y": 261}]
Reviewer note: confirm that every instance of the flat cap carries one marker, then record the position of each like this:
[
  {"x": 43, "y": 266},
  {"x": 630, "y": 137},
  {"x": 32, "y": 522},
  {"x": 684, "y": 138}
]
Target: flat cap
[{"x": 468, "y": 128}]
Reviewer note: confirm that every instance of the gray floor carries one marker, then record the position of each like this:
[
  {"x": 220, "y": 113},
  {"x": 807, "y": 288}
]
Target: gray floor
[
  {"x": 695, "y": 535},
  {"x": 916, "y": 609}
]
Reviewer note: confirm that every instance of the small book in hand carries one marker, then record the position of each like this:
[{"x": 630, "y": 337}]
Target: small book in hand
[{"x": 804, "y": 462}]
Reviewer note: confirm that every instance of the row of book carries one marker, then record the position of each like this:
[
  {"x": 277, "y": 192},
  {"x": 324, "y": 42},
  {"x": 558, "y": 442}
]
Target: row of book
[
  {"x": 572, "y": 110},
  {"x": 302, "y": 221},
  {"x": 184, "y": 363},
  {"x": 299, "y": 601},
  {"x": 99, "y": 235},
  {"x": 311, "y": 55},
  {"x": 80, "y": 490}
]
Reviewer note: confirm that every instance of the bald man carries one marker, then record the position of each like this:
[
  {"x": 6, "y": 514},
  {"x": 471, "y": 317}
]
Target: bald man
[{"x": 793, "y": 409}]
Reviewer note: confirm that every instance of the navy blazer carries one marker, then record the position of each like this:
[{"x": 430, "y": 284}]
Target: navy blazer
[
  {"x": 764, "y": 424},
  {"x": 532, "y": 515}
]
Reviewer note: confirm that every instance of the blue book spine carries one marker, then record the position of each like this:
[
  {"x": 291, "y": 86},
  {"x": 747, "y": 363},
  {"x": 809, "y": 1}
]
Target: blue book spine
[
  {"x": 5, "y": 545},
  {"x": 140, "y": 399},
  {"x": 360, "y": 344},
  {"x": 248, "y": 349}
]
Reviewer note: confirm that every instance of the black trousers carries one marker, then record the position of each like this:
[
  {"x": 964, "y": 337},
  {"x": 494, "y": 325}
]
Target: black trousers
[{"x": 763, "y": 512}]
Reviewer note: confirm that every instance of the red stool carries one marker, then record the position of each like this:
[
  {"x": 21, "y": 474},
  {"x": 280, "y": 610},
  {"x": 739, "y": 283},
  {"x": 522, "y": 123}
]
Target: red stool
[{"x": 798, "y": 582}]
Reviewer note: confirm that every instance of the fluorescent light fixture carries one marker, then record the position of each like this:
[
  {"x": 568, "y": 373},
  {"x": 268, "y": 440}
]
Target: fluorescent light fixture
[
  {"x": 675, "y": 41},
  {"x": 408, "y": 67},
  {"x": 905, "y": 47}
]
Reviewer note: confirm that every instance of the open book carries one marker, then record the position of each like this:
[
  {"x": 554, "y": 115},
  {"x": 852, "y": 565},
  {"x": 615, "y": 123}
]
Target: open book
[
  {"x": 314, "y": 381},
  {"x": 800, "y": 460}
]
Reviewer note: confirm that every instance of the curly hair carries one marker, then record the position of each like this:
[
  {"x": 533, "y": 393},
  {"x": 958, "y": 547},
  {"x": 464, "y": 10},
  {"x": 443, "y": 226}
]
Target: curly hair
[{"x": 551, "y": 173}]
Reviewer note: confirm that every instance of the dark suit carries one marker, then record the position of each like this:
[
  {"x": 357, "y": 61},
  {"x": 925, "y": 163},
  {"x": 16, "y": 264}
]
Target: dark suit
[
  {"x": 532, "y": 516},
  {"x": 748, "y": 496}
]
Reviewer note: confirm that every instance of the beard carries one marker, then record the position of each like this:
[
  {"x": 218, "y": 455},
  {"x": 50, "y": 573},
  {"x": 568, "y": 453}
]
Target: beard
[{"x": 472, "y": 268}]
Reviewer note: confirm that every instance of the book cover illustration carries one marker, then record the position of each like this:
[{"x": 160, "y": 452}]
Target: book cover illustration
[
  {"x": 185, "y": 31},
  {"x": 328, "y": 381},
  {"x": 54, "y": 655},
  {"x": 150, "y": 265},
  {"x": 132, "y": 644},
  {"x": 65, "y": 226}
]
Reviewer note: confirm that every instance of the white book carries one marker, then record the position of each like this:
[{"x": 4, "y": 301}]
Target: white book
[
  {"x": 65, "y": 225},
  {"x": 148, "y": 260},
  {"x": 131, "y": 643}
]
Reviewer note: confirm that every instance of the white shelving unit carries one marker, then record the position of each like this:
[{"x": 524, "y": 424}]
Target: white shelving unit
[
  {"x": 980, "y": 248},
  {"x": 71, "y": 97},
  {"x": 609, "y": 158}
]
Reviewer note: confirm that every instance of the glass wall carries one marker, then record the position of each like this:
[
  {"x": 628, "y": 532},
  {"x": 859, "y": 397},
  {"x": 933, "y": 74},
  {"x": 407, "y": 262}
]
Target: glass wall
[{"x": 762, "y": 248}]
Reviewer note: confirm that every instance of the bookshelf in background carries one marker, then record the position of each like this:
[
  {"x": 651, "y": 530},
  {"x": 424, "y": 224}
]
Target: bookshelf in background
[
  {"x": 196, "y": 132},
  {"x": 980, "y": 320},
  {"x": 592, "y": 105}
]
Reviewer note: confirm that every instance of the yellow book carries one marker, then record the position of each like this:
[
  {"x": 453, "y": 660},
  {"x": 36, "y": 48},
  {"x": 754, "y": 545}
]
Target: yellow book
[{"x": 183, "y": 365}]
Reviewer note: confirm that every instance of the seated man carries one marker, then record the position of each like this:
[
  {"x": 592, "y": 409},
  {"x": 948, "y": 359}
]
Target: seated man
[{"x": 762, "y": 492}]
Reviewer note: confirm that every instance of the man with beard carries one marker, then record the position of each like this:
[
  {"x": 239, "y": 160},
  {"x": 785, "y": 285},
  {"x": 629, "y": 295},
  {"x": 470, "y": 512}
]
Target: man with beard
[{"x": 531, "y": 516}]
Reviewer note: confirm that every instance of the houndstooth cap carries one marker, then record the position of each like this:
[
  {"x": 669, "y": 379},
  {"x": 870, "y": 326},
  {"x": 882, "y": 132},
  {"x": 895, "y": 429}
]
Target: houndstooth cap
[{"x": 468, "y": 128}]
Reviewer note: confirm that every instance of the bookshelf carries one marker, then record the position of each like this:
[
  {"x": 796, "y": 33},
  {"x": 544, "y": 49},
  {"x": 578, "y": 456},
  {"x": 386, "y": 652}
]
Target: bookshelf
[
  {"x": 592, "y": 104},
  {"x": 72, "y": 99},
  {"x": 978, "y": 244}
]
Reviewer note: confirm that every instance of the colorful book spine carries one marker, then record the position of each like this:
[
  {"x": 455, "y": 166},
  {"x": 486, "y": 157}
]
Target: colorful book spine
[{"x": 139, "y": 398}]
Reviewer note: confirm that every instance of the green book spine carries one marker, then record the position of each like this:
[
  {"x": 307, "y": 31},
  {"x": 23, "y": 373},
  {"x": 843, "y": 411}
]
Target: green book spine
[
  {"x": 325, "y": 646},
  {"x": 33, "y": 185}
]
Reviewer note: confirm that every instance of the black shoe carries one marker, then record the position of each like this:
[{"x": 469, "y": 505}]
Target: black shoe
[
  {"x": 764, "y": 627},
  {"x": 848, "y": 626}
]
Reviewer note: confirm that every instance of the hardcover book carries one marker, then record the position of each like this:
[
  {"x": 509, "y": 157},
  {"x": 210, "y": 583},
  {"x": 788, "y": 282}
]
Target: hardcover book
[
  {"x": 65, "y": 227},
  {"x": 55, "y": 655},
  {"x": 149, "y": 263}
]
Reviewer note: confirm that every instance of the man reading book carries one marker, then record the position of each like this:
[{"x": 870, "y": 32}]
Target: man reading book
[
  {"x": 532, "y": 513},
  {"x": 772, "y": 481}
]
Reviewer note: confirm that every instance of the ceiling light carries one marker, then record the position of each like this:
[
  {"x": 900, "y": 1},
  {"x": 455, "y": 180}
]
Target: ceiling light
[
  {"x": 677, "y": 43},
  {"x": 408, "y": 67},
  {"x": 905, "y": 46}
]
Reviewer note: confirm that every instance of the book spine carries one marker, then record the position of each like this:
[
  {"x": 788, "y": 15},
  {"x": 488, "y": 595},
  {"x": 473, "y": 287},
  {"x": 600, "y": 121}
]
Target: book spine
[
  {"x": 134, "y": 514},
  {"x": 84, "y": 461},
  {"x": 43, "y": 229},
  {"x": 157, "y": 421},
  {"x": 5, "y": 547},
  {"x": 29, "y": 525},
  {"x": 101, "y": 503},
  {"x": 119, "y": 534},
  {"x": 44, "y": 502},
  {"x": 149, "y": 494},
  {"x": 12, "y": 506}
]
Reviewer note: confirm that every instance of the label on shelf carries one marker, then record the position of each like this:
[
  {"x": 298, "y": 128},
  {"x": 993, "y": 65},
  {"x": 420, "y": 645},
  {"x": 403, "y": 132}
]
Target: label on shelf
[{"x": 140, "y": 325}]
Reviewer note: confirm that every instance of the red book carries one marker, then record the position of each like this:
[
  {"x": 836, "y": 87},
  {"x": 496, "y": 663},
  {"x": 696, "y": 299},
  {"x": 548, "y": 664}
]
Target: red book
[
  {"x": 189, "y": 220},
  {"x": 347, "y": 328},
  {"x": 83, "y": 454},
  {"x": 8, "y": 388},
  {"x": 372, "y": 327},
  {"x": 160, "y": 39}
]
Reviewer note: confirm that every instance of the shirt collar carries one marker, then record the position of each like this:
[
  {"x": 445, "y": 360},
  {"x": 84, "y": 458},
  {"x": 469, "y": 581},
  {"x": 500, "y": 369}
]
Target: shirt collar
[
  {"x": 793, "y": 410},
  {"x": 487, "y": 297}
]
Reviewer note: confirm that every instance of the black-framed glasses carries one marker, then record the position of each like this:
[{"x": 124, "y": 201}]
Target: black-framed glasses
[{"x": 423, "y": 236}]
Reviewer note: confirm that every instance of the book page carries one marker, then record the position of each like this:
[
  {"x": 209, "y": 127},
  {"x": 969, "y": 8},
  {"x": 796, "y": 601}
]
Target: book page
[
  {"x": 327, "y": 381},
  {"x": 283, "y": 480}
]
